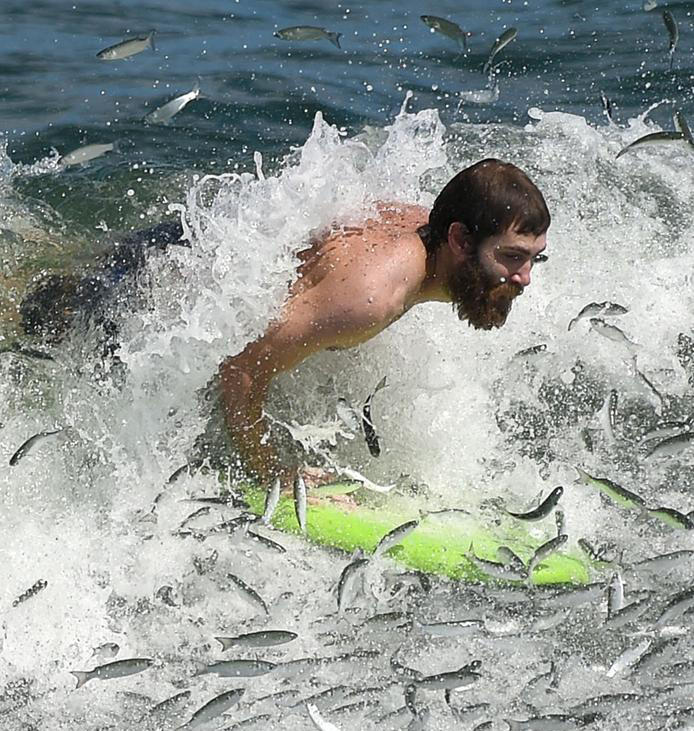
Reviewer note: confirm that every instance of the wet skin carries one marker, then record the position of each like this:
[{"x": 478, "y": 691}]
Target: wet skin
[{"x": 352, "y": 283}]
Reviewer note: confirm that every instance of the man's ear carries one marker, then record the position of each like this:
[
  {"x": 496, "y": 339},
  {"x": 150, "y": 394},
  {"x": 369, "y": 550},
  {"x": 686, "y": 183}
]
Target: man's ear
[{"x": 459, "y": 239}]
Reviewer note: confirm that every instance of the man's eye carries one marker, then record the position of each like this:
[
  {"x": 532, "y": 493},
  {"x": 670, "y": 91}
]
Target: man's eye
[{"x": 540, "y": 258}]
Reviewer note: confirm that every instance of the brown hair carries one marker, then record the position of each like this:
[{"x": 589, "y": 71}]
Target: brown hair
[{"x": 488, "y": 197}]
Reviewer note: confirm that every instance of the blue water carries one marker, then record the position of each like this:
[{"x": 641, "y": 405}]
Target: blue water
[{"x": 288, "y": 138}]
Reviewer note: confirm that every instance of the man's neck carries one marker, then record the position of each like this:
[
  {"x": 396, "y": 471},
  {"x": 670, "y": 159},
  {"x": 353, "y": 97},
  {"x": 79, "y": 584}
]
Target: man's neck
[{"x": 434, "y": 286}]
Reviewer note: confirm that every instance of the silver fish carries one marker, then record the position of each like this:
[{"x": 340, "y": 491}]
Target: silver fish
[
  {"x": 395, "y": 536},
  {"x": 238, "y": 668},
  {"x": 672, "y": 445},
  {"x": 365, "y": 482},
  {"x": 126, "y": 48},
  {"x": 550, "y": 722},
  {"x": 84, "y": 154},
  {"x": 250, "y": 593},
  {"x": 165, "y": 113},
  {"x": 683, "y": 127},
  {"x": 542, "y": 510},
  {"x": 611, "y": 332},
  {"x": 652, "y": 137},
  {"x": 318, "y": 721},
  {"x": 168, "y": 705},
  {"x": 117, "y": 669},
  {"x": 666, "y": 561},
  {"x": 26, "y": 446},
  {"x": 346, "y": 589},
  {"x": 348, "y": 415},
  {"x": 498, "y": 571},
  {"x": 629, "y": 613},
  {"x": 676, "y": 606},
  {"x": 447, "y": 28},
  {"x": 671, "y": 517},
  {"x": 608, "y": 414},
  {"x": 300, "y": 502},
  {"x": 503, "y": 40},
  {"x": 532, "y": 350},
  {"x": 214, "y": 708},
  {"x": 467, "y": 675},
  {"x": 620, "y": 495},
  {"x": 367, "y": 423},
  {"x": 308, "y": 33},
  {"x": 31, "y": 591},
  {"x": 265, "y": 541},
  {"x": 630, "y": 656},
  {"x": 455, "y": 628},
  {"x": 607, "y": 109},
  {"x": 615, "y": 594},
  {"x": 605, "y": 309},
  {"x": 545, "y": 550},
  {"x": 264, "y": 638},
  {"x": 673, "y": 33},
  {"x": 272, "y": 498}
]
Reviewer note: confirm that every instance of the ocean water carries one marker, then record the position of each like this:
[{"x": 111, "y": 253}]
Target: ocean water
[{"x": 287, "y": 138}]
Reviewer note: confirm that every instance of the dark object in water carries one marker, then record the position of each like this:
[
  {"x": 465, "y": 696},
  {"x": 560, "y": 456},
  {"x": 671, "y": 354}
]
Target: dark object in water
[
  {"x": 49, "y": 310},
  {"x": 34, "y": 589}
]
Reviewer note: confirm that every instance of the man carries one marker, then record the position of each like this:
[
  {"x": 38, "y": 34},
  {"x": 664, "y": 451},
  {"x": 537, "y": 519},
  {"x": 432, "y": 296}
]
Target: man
[{"x": 476, "y": 250}]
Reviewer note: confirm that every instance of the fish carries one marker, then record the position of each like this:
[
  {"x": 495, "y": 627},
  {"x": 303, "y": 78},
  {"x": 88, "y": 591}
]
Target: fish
[
  {"x": 615, "y": 594},
  {"x": 238, "y": 668},
  {"x": 169, "y": 704},
  {"x": 673, "y": 33},
  {"x": 560, "y": 522},
  {"x": 551, "y": 722},
  {"x": 671, "y": 517},
  {"x": 683, "y": 127},
  {"x": 652, "y": 137},
  {"x": 308, "y": 33},
  {"x": 629, "y": 613},
  {"x": 165, "y": 113},
  {"x": 607, "y": 110},
  {"x": 204, "y": 510},
  {"x": 630, "y": 656},
  {"x": 585, "y": 546},
  {"x": 447, "y": 28},
  {"x": 649, "y": 5},
  {"x": 576, "y": 596},
  {"x": 544, "y": 509},
  {"x": 300, "y": 502},
  {"x": 480, "y": 96},
  {"x": 264, "y": 638},
  {"x": 498, "y": 571},
  {"x": 461, "y": 678},
  {"x": 666, "y": 561},
  {"x": 608, "y": 414},
  {"x": 367, "y": 423},
  {"x": 126, "y": 48},
  {"x": 671, "y": 446},
  {"x": 509, "y": 558},
  {"x": 250, "y": 593},
  {"x": 365, "y": 482},
  {"x": 214, "y": 708},
  {"x": 532, "y": 350},
  {"x": 272, "y": 498},
  {"x": 454, "y": 628},
  {"x": 395, "y": 536},
  {"x": 620, "y": 495},
  {"x": 31, "y": 591},
  {"x": 654, "y": 656},
  {"x": 188, "y": 466},
  {"x": 265, "y": 541},
  {"x": 318, "y": 721},
  {"x": 116, "y": 669},
  {"x": 545, "y": 550},
  {"x": 611, "y": 332},
  {"x": 605, "y": 309},
  {"x": 346, "y": 589},
  {"x": 503, "y": 40},
  {"x": 676, "y": 606},
  {"x": 82, "y": 155},
  {"x": 647, "y": 382},
  {"x": 348, "y": 415},
  {"x": 29, "y": 444}
]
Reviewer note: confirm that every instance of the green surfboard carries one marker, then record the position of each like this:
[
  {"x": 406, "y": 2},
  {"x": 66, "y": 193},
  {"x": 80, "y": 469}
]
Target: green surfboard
[{"x": 438, "y": 545}]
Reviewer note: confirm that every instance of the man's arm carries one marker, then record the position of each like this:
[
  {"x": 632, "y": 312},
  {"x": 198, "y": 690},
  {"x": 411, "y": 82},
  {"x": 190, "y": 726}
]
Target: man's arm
[{"x": 329, "y": 314}]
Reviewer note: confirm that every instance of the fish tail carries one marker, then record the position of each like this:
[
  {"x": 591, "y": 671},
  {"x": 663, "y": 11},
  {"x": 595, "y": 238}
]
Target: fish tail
[
  {"x": 82, "y": 677},
  {"x": 334, "y": 38},
  {"x": 224, "y": 642},
  {"x": 150, "y": 40}
]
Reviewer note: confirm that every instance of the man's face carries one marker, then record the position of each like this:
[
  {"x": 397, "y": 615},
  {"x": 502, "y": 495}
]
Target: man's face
[{"x": 484, "y": 286}]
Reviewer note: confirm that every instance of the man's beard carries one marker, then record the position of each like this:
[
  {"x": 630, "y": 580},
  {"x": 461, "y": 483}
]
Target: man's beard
[{"x": 484, "y": 304}]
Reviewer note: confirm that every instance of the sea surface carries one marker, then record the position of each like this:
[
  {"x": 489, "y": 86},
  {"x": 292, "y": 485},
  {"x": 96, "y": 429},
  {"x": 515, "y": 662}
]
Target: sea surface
[{"x": 287, "y": 138}]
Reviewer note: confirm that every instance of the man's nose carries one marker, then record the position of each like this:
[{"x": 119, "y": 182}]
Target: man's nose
[{"x": 522, "y": 275}]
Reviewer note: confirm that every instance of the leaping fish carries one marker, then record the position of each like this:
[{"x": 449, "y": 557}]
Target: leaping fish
[
  {"x": 544, "y": 509},
  {"x": 606, "y": 108},
  {"x": 308, "y": 33},
  {"x": 300, "y": 502},
  {"x": 165, "y": 113},
  {"x": 128, "y": 47},
  {"x": 26, "y": 446},
  {"x": 683, "y": 127},
  {"x": 367, "y": 422},
  {"x": 673, "y": 33},
  {"x": 501, "y": 42},
  {"x": 620, "y": 495},
  {"x": 604, "y": 309},
  {"x": 658, "y": 137},
  {"x": 447, "y": 28}
]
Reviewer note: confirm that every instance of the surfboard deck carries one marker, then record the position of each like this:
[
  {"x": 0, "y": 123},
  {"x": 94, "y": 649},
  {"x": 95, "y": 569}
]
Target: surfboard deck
[{"x": 437, "y": 546}]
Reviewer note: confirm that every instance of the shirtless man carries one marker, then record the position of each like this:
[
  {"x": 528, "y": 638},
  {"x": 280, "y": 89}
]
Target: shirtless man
[{"x": 475, "y": 249}]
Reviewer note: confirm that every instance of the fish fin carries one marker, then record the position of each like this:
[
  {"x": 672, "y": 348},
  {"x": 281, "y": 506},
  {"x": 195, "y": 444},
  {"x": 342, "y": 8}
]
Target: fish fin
[
  {"x": 334, "y": 38},
  {"x": 82, "y": 677}
]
